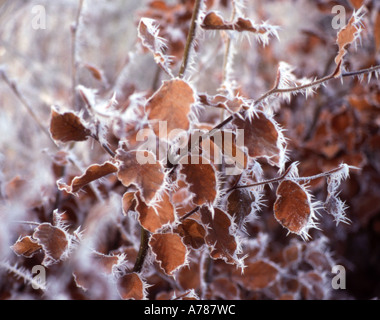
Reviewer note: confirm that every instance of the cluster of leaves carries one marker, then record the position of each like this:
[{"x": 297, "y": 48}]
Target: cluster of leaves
[{"x": 163, "y": 217}]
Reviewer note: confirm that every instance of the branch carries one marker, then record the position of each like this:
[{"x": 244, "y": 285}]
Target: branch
[
  {"x": 74, "y": 61},
  {"x": 190, "y": 38},
  {"x": 144, "y": 246},
  {"x": 13, "y": 86},
  {"x": 296, "y": 89}
]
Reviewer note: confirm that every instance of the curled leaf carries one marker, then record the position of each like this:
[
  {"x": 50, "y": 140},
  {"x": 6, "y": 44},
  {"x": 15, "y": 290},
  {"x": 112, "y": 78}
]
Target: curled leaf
[
  {"x": 92, "y": 173},
  {"x": 26, "y": 246},
  {"x": 53, "y": 241},
  {"x": 67, "y": 126}
]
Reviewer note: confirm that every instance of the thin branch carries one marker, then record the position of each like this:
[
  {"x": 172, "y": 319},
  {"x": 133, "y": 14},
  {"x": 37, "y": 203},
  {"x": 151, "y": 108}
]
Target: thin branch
[
  {"x": 13, "y": 86},
  {"x": 295, "y": 89},
  {"x": 190, "y": 38},
  {"x": 186, "y": 215},
  {"x": 144, "y": 246},
  {"x": 284, "y": 175},
  {"x": 74, "y": 60}
]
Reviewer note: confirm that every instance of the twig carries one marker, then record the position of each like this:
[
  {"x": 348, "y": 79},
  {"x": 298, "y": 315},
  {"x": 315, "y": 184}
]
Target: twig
[
  {"x": 186, "y": 215},
  {"x": 13, "y": 86},
  {"x": 74, "y": 61},
  {"x": 190, "y": 38},
  {"x": 276, "y": 90},
  {"x": 144, "y": 246}
]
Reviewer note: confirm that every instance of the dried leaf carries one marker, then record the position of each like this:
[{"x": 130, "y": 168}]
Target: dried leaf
[
  {"x": 148, "y": 177},
  {"x": 219, "y": 238},
  {"x": 201, "y": 178},
  {"x": 171, "y": 104},
  {"x": 130, "y": 286},
  {"x": 67, "y": 126},
  {"x": 148, "y": 33},
  {"x": 239, "y": 204},
  {"x": 170, "y": 251},
  {"x": 292, "y": 208},
  {"x": 345, "y": 37},
  {"x": 53, "y": 240},
  {"x": 258, "y": 275},
  {"x": 262, "y": 138},
  {"x": 129, "y": 202},
  {"x": 92, "y": 173},
  {"x": 26, "y": 247},
  {"x": 192, "y": 232},
  {"x": 154, "y": 217}
]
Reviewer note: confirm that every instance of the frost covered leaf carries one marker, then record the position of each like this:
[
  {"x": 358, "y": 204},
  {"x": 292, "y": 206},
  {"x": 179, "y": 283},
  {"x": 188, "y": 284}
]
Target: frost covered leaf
[
  {"x": 346, "y": 36},
  {"x": 154, "y": 217},
  {"x": 67, "y": 126},
  {"x": 213, "y": 21},
  {"x": 293, "y": 208},
  {"x": 129, "y": 202},
  {"x": 171, "y": 104},
  {"x": 192, "y": 232},
  {"x": 170, "y": 251},
  {"x": 219, "y": 238},
  {"x": 53, "y": 240},
  {"x": 130, "y": 286},
  {"x": 262, "y": 138},
  {"x": 201, "y": 178},
  {"x": 148, "y": 33},
  {"x": 143, "y": 170},
  {"x": 221, "y": 101},
  {"x": 258, "y": 275},
  {"x": 105, "y": 262},
  {"x": 239, "y": 205},
  {"x": 26, "y": 247},
  {"x": 92, "y": 173}
]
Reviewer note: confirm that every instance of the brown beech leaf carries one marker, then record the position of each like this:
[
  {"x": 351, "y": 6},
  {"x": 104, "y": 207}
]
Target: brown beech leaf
[
  {"x": 261, "y": 138},
  {"x": 92, "y": 173},
  {"x": 170, "y": 251},
  {"x": 53, "y": 240},
  {"x": 221, "y": 101},
  {"x": 192, "y": 232},
  {"x": 129, "y": 202},
  {"x": 148, "y": 177},
  {"x": 26, "y": 247},
  {"x": 234, "y": 154},
  {"x": 345, "y": 37},
  {"x": 239, "y": 204},
  {"x": 171, "y": 104},
  {"x": 200, "y": 175},
  {"x": 258, "y": 275},
  {"x": 67, "y": 126},
  {"x": 105, "y": 262},
  {"x": 148, "y": 34},
  {"x": 292, "y": 208},
  {"x": 154, "y": 217},
  {"x": 219, "y": 238},
  {"x": 130, "y": 286}
]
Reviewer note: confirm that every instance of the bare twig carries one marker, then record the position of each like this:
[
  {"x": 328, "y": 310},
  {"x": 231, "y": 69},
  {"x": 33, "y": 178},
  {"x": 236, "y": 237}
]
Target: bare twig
[
  {"x": 13, "y": 86},
  {"x": 74, "y": 60},
  {"x": 190, "y": 38}
]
